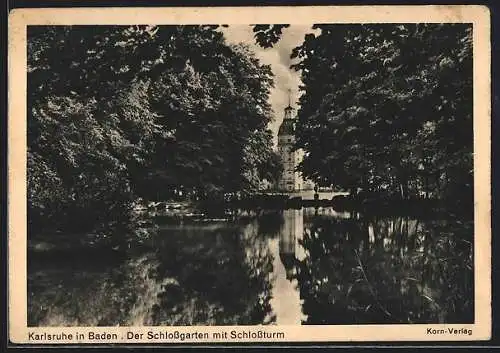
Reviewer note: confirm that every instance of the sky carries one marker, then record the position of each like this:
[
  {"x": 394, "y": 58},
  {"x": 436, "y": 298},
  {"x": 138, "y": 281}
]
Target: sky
[{"x": 278, "y": 57}]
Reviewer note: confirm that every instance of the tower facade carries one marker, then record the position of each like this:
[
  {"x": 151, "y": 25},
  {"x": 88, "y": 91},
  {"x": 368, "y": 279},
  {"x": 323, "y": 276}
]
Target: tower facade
[{"x": 291, "y": 180}]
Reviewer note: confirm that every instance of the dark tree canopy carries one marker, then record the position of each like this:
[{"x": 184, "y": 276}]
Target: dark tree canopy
[
  {"x": 117, "y": 112},
  {"x": 268, "y": 35},
  {"x": 387, "y": 108}
]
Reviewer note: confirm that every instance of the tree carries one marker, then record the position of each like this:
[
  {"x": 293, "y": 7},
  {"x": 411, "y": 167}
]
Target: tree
[
  {"x": 87, "y": 125},
  {"x": 268, "y": 35},
  {"x": 218, "y": 118},
  {"x": 117, "y": 112},
  {"x": 387, "y": 108}
]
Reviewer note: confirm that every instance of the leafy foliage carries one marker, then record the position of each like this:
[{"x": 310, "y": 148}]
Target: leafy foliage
[
  {"x": 388, "y": 108},
  {"x": 394, "y": 106},
  {"x": 117, "y": 112},
  {"x": 268, "y": 35}
]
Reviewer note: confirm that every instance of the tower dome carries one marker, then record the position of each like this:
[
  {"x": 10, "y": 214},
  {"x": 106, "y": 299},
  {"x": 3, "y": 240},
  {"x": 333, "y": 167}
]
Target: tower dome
[{"x": 287, "y": 127}]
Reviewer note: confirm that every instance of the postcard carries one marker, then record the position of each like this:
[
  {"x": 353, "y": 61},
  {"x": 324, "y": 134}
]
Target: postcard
[{"x": 250, "y": 174}]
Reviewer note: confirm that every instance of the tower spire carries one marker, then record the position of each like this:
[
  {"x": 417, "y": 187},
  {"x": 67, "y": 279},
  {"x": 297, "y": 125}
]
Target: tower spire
[{"x": 289, "y": 109}]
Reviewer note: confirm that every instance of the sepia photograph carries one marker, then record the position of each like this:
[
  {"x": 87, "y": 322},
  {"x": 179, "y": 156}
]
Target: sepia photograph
[{"x": 251, "y": 174}]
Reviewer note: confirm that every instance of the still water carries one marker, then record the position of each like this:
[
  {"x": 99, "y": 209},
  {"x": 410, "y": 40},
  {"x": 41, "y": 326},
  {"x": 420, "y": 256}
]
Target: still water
[{"x": 285, "y": 267}]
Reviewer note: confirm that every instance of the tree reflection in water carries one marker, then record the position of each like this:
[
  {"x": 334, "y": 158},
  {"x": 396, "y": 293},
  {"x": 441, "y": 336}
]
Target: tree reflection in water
[
  {"x": 219, "y": 276},
  {"x": 386, "y": 270},
  {"x": 323, "y": 268},
  {"x": 92, "y": 293},
  {"x": 200, "y": 274}
]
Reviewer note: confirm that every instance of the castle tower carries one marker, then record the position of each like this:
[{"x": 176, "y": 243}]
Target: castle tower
[{"x": 290, "y": 180}]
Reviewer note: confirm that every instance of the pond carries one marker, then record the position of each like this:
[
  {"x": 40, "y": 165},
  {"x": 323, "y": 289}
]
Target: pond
[{"x": 284, "y": 267}]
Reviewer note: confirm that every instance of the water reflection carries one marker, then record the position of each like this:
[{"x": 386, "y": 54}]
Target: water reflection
[
  {"x": 386, "y": 270},
  {"x": 289, "y": 236},
  {"x": 297, "y": 266},
  {"x": 222, "y": 276},
  {"x": 286, "y": 302}
]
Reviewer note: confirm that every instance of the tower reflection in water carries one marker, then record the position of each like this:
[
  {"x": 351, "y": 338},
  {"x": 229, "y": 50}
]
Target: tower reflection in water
[
  {"x": 286, "y": 301},
  {"x": 292, "y": 231}
]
